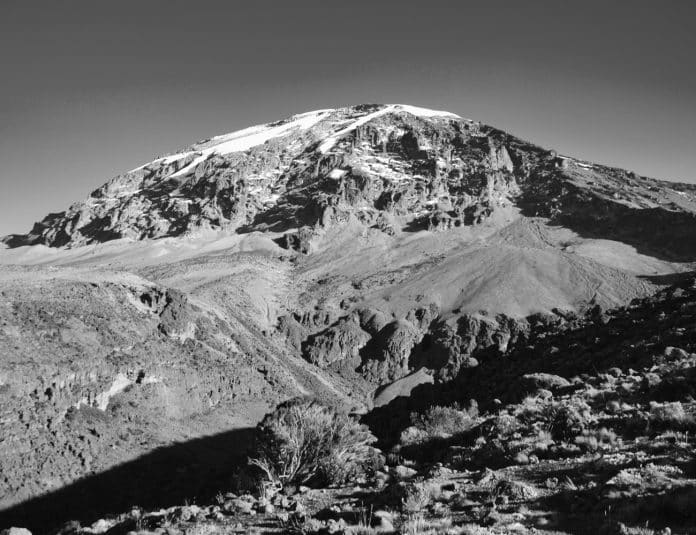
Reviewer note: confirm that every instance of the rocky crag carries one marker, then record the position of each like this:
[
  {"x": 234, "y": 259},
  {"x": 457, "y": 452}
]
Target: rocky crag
[{"x": 376, "y": 163}]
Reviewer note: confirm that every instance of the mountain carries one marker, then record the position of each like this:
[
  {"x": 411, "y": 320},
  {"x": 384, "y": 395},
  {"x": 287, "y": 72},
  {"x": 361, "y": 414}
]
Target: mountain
[
  {"x": 337, "y": 253},
  {"x": 424, "y": 168}
]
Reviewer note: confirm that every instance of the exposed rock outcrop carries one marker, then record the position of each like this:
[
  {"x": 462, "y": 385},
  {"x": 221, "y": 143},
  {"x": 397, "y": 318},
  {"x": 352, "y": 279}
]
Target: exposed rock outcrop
[
  {"x": 340, "y": 342},
  {"x": 430, "y": 170}
]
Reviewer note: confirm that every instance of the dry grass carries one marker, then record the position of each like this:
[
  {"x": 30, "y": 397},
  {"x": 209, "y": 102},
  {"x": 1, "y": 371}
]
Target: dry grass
[
  {"x": 418, "y": 525},
  {"x": 596, "y": 439}
]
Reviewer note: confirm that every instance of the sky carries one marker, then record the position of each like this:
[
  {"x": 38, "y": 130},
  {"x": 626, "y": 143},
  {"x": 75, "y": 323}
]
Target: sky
[{"x": 92, "y": 88}]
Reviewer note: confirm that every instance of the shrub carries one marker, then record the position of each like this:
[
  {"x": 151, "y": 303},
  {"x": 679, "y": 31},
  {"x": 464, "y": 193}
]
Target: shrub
[
  {"x": 504, "y": 424},
  {"x": 410, "y": 436},
  {"x": 417, "y": 497},
  {"x": 567, "y": 420},
  {"x": 671, "y": 416},
  {"x": 513, "y": 490},
  {"x": 445, "y": 421},
  {"x": 303, "y": 442},
  {"x": 542, "y": 441},
  {"x": 596, "y": 439}
]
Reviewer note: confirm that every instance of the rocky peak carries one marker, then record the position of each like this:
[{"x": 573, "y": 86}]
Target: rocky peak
[{"x": 391, "y": 167}]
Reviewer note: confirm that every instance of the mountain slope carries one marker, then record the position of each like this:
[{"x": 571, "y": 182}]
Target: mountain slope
[{"x": 328, "y": 254}]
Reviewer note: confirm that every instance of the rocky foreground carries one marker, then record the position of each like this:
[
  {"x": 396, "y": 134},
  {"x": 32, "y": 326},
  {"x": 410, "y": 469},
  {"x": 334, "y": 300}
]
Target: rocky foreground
[{"x": 607, "y": 450}]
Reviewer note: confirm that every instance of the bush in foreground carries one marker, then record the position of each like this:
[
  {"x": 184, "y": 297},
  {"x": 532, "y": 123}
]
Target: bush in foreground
[
  {"x": 303, "y": 442},
  {"x": 445, "y": 421},
  {"x": 671, "y": 416},
  {"x": 568, "y": 419}
]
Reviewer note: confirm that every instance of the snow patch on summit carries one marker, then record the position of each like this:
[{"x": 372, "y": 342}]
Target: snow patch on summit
[
  {"x": 253, "y": 136},
  {"x": 424, "y": 112},
  {"x": 330, "y": 141},
  {"x": 258, "y": 135},
  {"x": 242, "y": 140}
]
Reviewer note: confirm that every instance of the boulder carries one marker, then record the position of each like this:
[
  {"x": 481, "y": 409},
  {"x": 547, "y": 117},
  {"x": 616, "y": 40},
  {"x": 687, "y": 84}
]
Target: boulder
[
  {"x": 386, "y": 357},
  {"x": 340, "y": 342},
  {"x": 404, "y": 472},
  {"x": 547, "y": 381},
  {"x": 300, "y": 241},
  {"x": 372, "y": 320},
  {"x": 385, "y": 521}
]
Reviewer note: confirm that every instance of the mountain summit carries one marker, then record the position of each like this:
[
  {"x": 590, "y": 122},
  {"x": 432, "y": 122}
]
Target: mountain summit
[{"x": 391, "y": 166}]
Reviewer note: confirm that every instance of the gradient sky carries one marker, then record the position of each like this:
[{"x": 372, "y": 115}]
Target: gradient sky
[{"x": 89, "y": 89}]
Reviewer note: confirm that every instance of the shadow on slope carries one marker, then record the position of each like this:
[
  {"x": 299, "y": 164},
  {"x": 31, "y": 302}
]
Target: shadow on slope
[
  {"x": 192, "y": 471},
  {"x": 670, "y": 279},
  {"x": 592, "y": 511},
  {"x": 662, "y": 233},
  {"x": 630, "y": 337}
]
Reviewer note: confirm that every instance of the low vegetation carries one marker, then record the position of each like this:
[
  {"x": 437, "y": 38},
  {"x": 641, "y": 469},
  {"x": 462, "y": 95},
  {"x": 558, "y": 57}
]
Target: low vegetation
[
  {"x": 440, "y": 421},
  {"x": 607, "y": 452},
  {"x": 304, "y": 442},
  {"x": 671, "y": 416}
]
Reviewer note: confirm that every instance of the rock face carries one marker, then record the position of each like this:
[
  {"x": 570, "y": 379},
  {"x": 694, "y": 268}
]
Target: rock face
[
  {"x": 335, "y": 254},
  {"x": 431, "y": 169},
  {"x": 338, "y": 343},
  {"x": 388, "y": 354}
]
